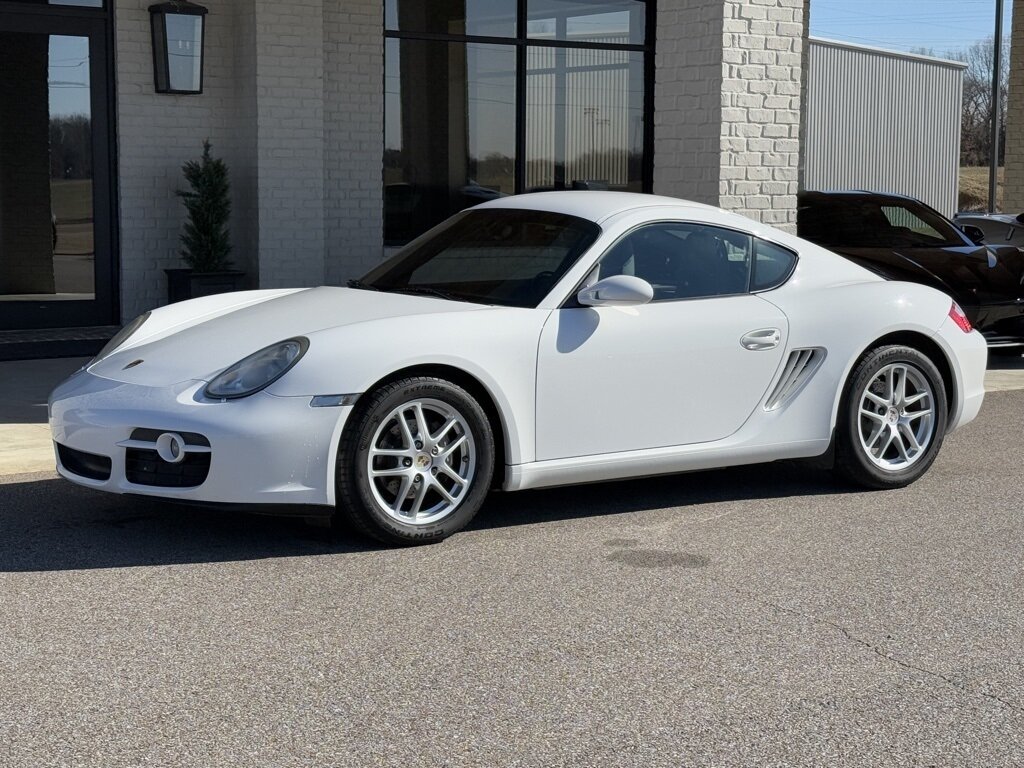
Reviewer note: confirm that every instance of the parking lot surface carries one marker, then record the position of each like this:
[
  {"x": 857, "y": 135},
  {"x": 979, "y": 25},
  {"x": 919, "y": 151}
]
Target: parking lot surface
[{"x": 755, "y": 616}]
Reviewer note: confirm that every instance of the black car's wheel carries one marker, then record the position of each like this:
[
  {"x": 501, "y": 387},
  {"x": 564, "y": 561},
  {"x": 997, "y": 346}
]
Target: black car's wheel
[
  {"x": 892, "y": 418},
  {"x": 415, "y": 461}
]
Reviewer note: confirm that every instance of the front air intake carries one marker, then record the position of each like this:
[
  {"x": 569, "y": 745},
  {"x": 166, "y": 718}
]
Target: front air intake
[{"x": 800, "y": 366}]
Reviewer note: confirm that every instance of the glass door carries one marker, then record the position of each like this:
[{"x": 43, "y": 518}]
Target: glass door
[{"x": 56, "y": 211}]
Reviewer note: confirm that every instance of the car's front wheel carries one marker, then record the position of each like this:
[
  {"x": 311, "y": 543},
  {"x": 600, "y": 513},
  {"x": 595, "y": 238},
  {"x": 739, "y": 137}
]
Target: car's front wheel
[
  {"x": 415, "y": 463},
  {"x": 893, "y": 418}
]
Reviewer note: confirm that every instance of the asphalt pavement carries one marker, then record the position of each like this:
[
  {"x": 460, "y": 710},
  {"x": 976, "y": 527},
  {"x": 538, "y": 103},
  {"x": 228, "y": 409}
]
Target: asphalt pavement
[{"x": 761, "y": 616}]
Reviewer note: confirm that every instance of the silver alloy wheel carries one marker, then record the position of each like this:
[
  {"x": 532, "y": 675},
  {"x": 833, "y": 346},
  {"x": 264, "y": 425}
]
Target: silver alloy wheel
[
  {"x": 896, "y": 417},
  {"x": 421, "y": 461}
]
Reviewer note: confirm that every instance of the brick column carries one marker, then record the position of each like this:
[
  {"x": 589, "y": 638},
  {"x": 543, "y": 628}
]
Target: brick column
[
  {"x": 353, "y": 137},
  {"x": 290, "y": 141},
  {"x": 728, "y": 104},
  {"x": 1013, "y": 184}
]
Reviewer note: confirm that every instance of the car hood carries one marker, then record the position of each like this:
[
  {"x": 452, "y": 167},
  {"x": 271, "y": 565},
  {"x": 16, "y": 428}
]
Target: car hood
[{"x": 203, "y": 349}]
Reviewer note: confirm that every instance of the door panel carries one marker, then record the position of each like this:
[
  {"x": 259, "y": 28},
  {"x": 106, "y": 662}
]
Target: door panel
[
  {"x": 670, "y": 373},
  {"x": 56, "y": 239}
]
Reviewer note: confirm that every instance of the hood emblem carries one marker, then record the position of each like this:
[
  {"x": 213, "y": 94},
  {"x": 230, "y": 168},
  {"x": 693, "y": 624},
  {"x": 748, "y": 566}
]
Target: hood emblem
[{"x": 132, "y": 364}]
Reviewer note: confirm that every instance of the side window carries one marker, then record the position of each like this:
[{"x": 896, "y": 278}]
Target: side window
[
  {"x": 903, "y": 218},
  {"x": 773, "y": 265},
  {"x": 682, "y": 261}
]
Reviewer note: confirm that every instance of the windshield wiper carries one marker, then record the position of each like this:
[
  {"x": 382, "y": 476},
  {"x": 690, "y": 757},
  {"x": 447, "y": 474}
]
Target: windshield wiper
[
  {"x": 422, "y": 290},
  {"x": 361, "y": 285}
]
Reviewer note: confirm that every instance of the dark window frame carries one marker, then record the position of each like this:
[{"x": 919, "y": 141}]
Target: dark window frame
[
  {"x": 521, "y": 42},
  {"x": 98, "y": 24}
]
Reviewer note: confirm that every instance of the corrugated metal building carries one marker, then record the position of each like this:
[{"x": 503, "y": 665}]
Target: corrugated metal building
[{"x": 883, "y": 121}]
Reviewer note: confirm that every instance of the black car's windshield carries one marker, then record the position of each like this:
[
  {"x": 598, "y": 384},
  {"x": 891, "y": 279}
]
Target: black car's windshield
[
  {"x": 494, "y": 256},
  {"x": 854, "y": 222}
]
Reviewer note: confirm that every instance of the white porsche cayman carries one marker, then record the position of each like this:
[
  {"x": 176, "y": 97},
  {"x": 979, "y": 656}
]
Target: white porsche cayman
[{"x": 537, "y": 340}]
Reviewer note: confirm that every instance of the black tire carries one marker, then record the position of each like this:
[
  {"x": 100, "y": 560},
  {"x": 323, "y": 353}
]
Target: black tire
[
  {"x": 357, "y": 498},
  {"x": 852, "y": 458}
]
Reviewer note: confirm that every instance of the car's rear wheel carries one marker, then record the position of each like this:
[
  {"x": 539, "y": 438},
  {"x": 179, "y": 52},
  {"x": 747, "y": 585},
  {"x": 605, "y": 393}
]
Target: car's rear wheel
[
  {"x": 415, "y": 462},
  {"x": 893, "y": 418}
]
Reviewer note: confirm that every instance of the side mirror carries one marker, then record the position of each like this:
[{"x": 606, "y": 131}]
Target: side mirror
[
  {"x": 616, "y": 291},
  {"x": 975, "y": 234}
]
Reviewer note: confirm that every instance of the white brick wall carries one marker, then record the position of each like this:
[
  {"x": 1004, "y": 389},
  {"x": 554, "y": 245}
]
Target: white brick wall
[
  {"x": 293, "y": 101},
  {"x": 354, "y": 136},
  {"x": 687, "y": 104},
  {"x": 157, "y": 133},
  {"x": 727, "y": 104},
  {"x": 290, "y": 141},
  {"x": 303, "y": 150}
]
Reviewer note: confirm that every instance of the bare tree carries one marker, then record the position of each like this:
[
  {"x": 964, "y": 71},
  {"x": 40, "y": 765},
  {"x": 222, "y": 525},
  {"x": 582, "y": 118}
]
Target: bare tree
[{"x": 976, "y": 116}]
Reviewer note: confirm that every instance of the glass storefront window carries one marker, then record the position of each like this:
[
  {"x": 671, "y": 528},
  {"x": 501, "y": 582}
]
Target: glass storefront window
[
  {"x": 560, "y": 105},
  {"x": 591, "y": 21},
  {"x": 449, "y": 131},
  {"x": 487, "y": 18},
  {"x": 584, "y": 119},
  {"x": 47, "y": 248}
]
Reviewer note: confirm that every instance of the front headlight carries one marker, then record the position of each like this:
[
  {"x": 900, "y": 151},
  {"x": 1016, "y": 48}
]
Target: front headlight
[
  {"x": 121, "y": 337},
  {"x": 258, "y": 371}
]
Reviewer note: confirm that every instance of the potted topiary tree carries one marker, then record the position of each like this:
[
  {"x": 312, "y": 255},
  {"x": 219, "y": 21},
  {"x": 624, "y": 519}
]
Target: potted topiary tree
[{"x": 206, "y": 241}]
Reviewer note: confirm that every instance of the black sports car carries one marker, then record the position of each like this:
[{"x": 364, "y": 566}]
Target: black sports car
[{"x": 903, "y": 239}]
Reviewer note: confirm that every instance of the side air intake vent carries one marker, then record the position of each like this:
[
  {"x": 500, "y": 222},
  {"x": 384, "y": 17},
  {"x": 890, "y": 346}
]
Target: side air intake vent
[{"x": 799, "y": 368}]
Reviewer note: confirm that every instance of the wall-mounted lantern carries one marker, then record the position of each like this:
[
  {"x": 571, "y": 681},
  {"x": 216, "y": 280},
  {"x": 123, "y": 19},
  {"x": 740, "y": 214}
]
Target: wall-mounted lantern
[{"x": 178, "y": 46}]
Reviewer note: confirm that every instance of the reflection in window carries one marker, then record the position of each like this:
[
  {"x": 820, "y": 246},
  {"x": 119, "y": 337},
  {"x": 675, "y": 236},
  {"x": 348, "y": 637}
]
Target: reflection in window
[
  {"x": 46, "y": 174},
  {"x": 453, "y": 133},
  {"x": 184, "y": 49},
  {"x": 584, "y": 119},
  {"x": 449, "y": 131},
  {"x": 592, "y": 21},
  {"x": 488, "y": 18}
]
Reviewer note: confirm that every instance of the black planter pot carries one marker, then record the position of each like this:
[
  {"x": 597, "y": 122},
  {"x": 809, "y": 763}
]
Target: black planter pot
[{"x": 185, "y": 284}]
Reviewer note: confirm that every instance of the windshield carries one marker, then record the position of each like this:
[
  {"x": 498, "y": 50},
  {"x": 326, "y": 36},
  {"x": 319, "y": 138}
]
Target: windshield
[
  {"x": 839, "y": 222},
  {"x": 495, "y": 256}
]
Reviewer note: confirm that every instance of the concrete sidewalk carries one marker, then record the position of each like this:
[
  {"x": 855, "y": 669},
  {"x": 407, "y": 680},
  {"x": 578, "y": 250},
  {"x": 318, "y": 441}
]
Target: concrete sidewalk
[{"x": 25, "y": 444}]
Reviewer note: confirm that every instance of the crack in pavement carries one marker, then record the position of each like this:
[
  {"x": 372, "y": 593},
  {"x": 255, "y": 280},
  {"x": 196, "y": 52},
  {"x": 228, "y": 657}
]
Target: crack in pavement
[{"x": 966, "y": 688}]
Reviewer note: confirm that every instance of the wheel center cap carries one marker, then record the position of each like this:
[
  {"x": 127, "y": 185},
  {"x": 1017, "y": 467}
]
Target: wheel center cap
[
  {"x": 892, "y": 416},
  {"x": 422, "y": 461}
]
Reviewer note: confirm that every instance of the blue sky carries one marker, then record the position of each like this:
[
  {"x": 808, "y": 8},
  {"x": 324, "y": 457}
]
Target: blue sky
[
  {"x": 69, "y": 75},
  {"x": 941, "y": 25}
]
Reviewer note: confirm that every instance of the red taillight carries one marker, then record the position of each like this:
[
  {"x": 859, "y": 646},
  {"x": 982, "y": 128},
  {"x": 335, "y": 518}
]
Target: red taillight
[{"x": 957, "y": 316}]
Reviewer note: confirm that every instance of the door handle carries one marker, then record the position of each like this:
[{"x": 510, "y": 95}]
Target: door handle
[{"x": 765, "y": 338}]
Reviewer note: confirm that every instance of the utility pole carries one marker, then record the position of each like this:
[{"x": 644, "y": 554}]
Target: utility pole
[{"x": 997, "y": 66}]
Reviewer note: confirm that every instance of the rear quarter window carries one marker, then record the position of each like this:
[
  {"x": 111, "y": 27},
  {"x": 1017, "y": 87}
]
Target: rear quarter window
[{"x": 773, "y": 265}]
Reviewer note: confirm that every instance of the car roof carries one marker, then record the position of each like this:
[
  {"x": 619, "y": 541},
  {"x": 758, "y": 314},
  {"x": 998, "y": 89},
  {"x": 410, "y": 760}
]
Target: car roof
[
  {"x": 853, "y": 194},
  {"x": 590, "y": 204}
]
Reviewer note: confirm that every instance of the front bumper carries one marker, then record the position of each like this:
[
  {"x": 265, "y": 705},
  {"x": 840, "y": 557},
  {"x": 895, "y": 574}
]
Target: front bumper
[{"x": 263, "y": 449}]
